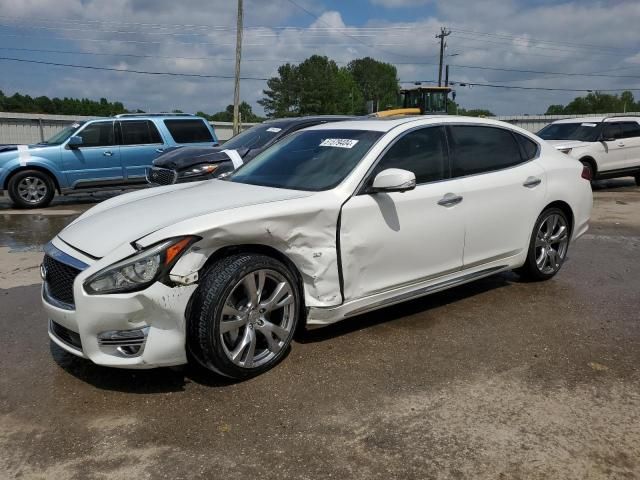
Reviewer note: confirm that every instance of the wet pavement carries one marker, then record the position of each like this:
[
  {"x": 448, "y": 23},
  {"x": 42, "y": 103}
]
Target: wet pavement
[{"x": 495, "y": 379}]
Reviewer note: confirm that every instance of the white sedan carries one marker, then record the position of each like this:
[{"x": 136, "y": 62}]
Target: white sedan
[{"x": 333, "y": 221}]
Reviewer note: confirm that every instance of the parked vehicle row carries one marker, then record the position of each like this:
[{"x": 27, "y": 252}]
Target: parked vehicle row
[
  {"x": 608, "y": 147},
  {"x": 96, "y": 154},
  {"x": 330, "y": 222}
]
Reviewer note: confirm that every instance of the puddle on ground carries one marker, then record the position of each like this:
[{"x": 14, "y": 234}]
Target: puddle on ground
[{"x": 24, "y": 233}]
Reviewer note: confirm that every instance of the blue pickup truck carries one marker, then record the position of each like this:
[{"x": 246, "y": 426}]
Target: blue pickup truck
[{"x": 96, "y": 154}]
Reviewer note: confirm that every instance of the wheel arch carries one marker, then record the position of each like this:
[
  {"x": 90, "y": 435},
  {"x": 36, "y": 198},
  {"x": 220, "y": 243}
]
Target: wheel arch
[
  {"x": 566, "y": 209},
  {"x": 262, "y": 250},
  {"x": 39, "y": 168}
]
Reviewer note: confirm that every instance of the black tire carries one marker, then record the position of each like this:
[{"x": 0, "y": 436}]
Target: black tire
[
  {"x": 42, "y": 195},
  {"x": 638, "y": 179},
  {"x": 205, "y": 341},
  {"x": 531, "y": 269}
]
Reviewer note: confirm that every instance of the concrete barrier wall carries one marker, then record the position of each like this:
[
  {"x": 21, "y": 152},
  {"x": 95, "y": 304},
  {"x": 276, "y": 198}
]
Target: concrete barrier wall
[
  {"x": 32, "y": 128},
  {"x": 25, "y": 128}
]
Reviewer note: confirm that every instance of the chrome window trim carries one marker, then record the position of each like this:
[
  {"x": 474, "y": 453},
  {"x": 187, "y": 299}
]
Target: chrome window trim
[{"x": 54, "y": 252}]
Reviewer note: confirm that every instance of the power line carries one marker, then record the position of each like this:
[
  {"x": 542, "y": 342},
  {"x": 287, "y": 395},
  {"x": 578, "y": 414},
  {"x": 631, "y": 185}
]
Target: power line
[
  {"x": 544, "y": 72},
  {"x": 126, "y": 70}
]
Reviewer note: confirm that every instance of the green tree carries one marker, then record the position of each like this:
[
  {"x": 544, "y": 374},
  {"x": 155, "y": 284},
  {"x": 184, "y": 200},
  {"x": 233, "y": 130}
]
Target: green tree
[
  {"x": 597, "y": 102},
  {"x": 316, "y": 86},
  {"x": 377, "y": 81}
]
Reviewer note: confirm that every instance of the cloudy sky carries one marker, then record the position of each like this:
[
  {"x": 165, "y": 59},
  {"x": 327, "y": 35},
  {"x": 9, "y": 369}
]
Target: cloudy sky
[{"x": 600, "y": 38}]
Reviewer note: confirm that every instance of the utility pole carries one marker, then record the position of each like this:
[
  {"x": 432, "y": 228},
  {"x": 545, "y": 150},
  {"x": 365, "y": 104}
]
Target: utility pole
[
  {"x": 443, "y": 33},
  {"x": 236, "y": 91},
  {"x": 446, "y": 76}
]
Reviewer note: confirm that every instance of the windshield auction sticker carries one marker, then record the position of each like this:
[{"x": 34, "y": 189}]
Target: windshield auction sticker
[
  {"x": 588, "y": 124},
  {"x": 273, "y": 129},
  {"x": 338, "y": 142}
]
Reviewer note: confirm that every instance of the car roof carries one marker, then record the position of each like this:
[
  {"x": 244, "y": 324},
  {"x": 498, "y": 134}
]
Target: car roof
[
  {"x": 387, "y": 124},
  {"x": 598, "y": 119},
  {"x": 289, "y": 121}
]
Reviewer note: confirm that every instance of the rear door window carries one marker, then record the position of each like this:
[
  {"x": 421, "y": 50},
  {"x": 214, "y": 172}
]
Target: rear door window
[
  {"x": 630, "y": 129},
  {"x": 97, "y": 134},
  {"x": 528, "y": 147},
  {"x": 189, "y": 131},
  {"x": 479, "y": 149},
  {"x": 139, "y": 132},
  {"x": 422, "y": 152},
  {"x": 612, "y": 130}
]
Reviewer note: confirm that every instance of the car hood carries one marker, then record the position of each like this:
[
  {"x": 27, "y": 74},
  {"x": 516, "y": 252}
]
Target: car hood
[
  {"x": 129, "y": 217},
  {"x": 186, "y": 157},
  {"x": 567, "y": 143}
]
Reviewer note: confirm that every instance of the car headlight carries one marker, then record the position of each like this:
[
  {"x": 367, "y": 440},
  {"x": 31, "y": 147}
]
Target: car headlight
[
  {"x": 140, "y": 270},
  {"x": 204, "y": 169},
  {"x": 565, "y": 150}
]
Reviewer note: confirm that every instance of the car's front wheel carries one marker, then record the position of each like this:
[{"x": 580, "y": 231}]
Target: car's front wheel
[
  {"x": 548, "y": 246},
  {"x": 244, "y": 315},
  {"x": 31, "y": 189}
]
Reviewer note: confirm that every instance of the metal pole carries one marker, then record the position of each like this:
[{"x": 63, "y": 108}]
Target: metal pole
[
  {"x": 446, "y": 76},
  {"x": 236, "y": 91},
  {"x": 443, "y": 33}
]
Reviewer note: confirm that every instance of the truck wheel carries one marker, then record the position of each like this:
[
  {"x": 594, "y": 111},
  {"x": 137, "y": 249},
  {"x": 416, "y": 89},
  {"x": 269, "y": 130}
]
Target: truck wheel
[
  {"x": 244, "y": 315},
  {"x": 31, "y": 189}
]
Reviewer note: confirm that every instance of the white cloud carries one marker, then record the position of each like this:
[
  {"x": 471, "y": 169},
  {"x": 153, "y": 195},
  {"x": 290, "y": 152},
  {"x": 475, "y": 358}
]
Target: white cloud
[{"x": 515, "y": 31}]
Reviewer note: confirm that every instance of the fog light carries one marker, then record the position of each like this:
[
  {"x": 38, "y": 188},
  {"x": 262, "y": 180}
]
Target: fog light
[{"x": 128, "y": 343}]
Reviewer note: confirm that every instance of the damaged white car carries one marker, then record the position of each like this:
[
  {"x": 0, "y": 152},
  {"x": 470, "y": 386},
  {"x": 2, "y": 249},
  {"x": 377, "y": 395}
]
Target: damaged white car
[{"x": 333, "y": 221}]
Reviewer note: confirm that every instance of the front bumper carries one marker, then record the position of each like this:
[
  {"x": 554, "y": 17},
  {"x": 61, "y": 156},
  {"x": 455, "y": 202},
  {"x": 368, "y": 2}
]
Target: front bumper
[{"x": 93, "y": 327}]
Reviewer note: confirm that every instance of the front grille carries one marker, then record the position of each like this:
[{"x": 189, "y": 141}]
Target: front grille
[
  {"x": 59, "y": 279},
  {"x": 69, "y": 337},
  {"x": 161, "y": 176}
]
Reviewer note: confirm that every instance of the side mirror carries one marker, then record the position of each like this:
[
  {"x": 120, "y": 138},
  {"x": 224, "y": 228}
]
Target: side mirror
[
  {"x": 393, "y": 180},
  {"x": 75, "y": 141}
]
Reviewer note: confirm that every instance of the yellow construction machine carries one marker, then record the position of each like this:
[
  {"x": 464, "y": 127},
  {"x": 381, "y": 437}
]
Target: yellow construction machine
[{"x": 419, "y": 100}]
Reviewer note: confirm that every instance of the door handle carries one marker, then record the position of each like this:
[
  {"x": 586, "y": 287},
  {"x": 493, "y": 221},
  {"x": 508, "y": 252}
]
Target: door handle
[
  {"x": 108, "y": 153},
  {"x": 449, "y": 200},
  {"x": 159, "y": 150},
  {"x": 621, "y": 144},
  {"x": 531, "y": 182}
]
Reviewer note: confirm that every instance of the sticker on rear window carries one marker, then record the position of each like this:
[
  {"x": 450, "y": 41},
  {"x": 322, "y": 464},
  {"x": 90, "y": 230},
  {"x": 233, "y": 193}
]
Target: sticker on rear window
[
  {"x": 339, "y": 142},
  {"x": 273, "y": 129},
  {"x": 588, "y": 124}
]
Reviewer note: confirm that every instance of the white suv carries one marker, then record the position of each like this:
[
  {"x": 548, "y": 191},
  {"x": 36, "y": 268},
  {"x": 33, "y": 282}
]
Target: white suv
[{"x": 608, "y": 146}]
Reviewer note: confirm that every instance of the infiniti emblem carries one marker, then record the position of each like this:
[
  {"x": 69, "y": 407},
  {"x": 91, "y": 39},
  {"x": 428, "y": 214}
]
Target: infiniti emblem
[{"x": 43, "y": 272}]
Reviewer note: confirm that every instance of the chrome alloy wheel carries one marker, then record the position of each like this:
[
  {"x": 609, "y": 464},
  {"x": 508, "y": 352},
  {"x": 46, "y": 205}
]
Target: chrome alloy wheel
[
  {"x": 32, "y": 189},
  {"x": 257, "y": 318},
  {"x": 552, "y": 240}
]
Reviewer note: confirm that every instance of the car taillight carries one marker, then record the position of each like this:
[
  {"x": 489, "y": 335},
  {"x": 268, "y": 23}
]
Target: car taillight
[{"x": 586, "y": 173}]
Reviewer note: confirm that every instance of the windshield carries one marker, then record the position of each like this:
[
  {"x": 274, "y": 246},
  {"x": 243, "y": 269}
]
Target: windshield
[
  {"x": 255, "y": 137},
  {"x": 311, "y": 160},
  {"x": 62, "y": 136},
  {"x": 585, "y": 131}
]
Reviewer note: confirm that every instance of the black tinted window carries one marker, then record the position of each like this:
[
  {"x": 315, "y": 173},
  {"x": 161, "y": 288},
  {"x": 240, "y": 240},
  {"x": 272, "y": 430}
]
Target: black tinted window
[
  {"x": 98, "y": 134},
  {"x": 421, "y": 152},
  {"x": 529, "y": 147},
  {"x": 189, "y": 131},
  {"x": 630, "y": 129},
  {"x": 612, "y": 130},
  {"x": 139, "y": 132},
  {"x": 482, "y": 149}
]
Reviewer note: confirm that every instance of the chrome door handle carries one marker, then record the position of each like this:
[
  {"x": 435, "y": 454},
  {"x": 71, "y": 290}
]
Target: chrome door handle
[
  {"x": 531, "y": 182},
  {"x": 621, "y": 144},
  {"x": 449, "y": 200},
  {"x": 108, "y": 153},
  {"x": 160, "y": 150}
]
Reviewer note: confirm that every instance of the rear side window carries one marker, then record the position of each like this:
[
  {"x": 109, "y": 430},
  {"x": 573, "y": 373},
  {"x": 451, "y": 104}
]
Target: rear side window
[
  {"x": 612, "y": 130},
  {"x": 478, "y": 149},
  {"x": 98, "y": 134},
  {"x": 189, "y": 131},
  {"x": 630, "y": 129},
  {"x": 139, "y": 132},
  {"x": 421, "y": 152},
  {"x": 528, "y": 147}
]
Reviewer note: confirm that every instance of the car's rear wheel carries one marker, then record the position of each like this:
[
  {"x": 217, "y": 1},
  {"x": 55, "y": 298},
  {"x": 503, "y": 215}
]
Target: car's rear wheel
[
  {"x": 244, "y": 315},
  {"x": 31, "y": 189},
  {"x": 548, "y": 246}
]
